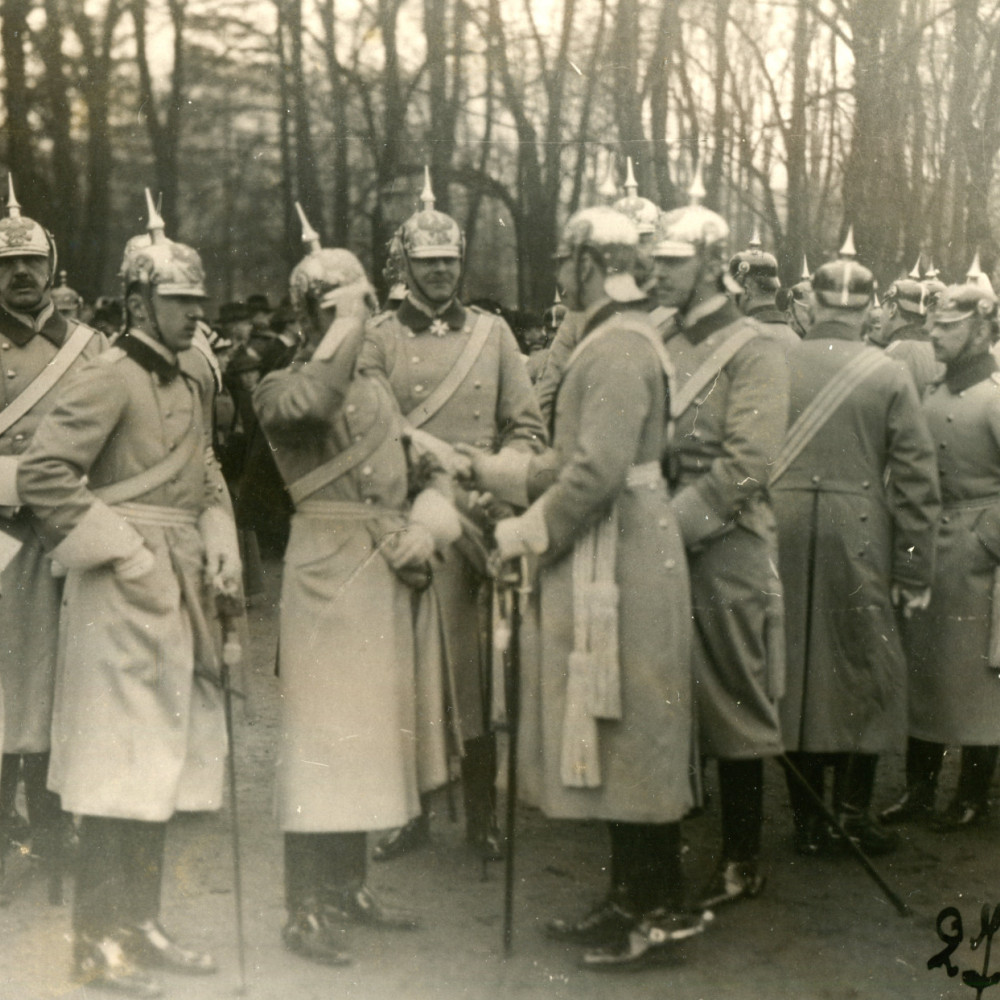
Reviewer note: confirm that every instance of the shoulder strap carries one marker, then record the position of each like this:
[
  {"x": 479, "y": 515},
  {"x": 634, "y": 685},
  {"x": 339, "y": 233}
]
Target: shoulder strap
[
  {"x": 624, "y": 322},
  {"x": 352, "y": 456},
  {"x": 71, "y": 349},
  {"x": 822, "y": 406},
  {"x": 149, "y": 479},
  {"x": 445, "y": 389},
  {"x": 709, "y": 369},
  {"x": 660, "y": 317}
]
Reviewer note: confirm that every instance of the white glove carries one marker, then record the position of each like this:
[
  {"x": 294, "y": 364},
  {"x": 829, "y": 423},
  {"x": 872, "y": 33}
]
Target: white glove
[
  {"x": 521, "y": 536},
  {"x": 223, "y": 568},
  {"x": 131, "y": 567},
  {"x": 504, "y": 474},
  {"x": 437, "y": 513}
]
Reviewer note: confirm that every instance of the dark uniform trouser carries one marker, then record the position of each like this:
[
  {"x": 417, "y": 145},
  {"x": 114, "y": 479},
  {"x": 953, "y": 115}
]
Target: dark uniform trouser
[
  {"x": 119, "y": 875},
  {"x": 923, "y": 765},
  {"x": 320, "y": 866},
  {"x": 646, "y": 865}
]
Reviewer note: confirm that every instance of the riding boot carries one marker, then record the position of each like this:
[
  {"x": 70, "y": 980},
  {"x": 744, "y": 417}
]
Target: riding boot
[
  {"x": 923, "y": 765},
  {"x": 479, "y": 768},
  {"x": 971, "y": 804},
  {"x": 853, "y": 796},
  {"x": 13, "y": 826}
]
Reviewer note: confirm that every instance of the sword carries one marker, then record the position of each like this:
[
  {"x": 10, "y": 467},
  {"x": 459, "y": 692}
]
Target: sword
[{"x": 232, "y": 656}]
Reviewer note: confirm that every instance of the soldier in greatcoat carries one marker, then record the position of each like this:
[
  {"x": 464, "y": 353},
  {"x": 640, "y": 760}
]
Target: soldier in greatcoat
[
  {"x": 358, "y": 739},
  {"x": 615, "y": 609},
  {"x": 906, "y": 336},
  {"x": 458, "y": 376},
  {"x": 951, "y": 647},
  {"x": 134, "y": 507},
  {"x": 856, "y": 497},
  {"x": 40, "y": 349},
  {"x": 728, "y": 403}
]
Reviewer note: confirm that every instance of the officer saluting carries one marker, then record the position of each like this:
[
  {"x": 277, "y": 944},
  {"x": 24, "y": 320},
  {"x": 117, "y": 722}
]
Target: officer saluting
[
  {"x": 349, "y": 741},
  {"x": 135, "y": 508},
  {"x": 40, "y": 349},
  {"x": 457, "y": 375}
]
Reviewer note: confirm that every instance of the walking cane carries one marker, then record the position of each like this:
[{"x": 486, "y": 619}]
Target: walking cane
[
  {"x": 901, "y": 908},
  {"x": 232, "y": 655}
]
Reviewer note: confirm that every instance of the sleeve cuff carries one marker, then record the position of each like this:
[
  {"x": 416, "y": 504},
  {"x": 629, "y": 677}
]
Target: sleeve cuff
[
  {"x": 696, "y": 519},
  {"x": 8, "y": 482},
  {"x": 98, "y": 538},
  {"x": 508, "y": 477}
]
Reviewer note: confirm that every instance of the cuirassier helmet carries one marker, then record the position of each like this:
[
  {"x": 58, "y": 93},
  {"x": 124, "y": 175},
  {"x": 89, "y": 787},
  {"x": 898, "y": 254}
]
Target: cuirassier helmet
[
  {"x": 23, "y": 237},
  {"x": 430, "y": 233},
  {"x": 160, "y": 264},
  {"x": 66, "y": 299},
  {"x": 692, "y": 230},
  {"x": 613, "y": 239},
  {"x": 322, "y": 271}
]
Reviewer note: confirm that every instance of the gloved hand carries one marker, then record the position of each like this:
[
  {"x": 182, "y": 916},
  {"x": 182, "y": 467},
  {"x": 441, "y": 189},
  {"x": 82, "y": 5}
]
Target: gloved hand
[
  {"x": 437, "y": 513},
  {"x": 223, "y": 569},
  {"x": 520, "y": 536},
  {"x": 909, "y": 600},
  {"x": 504, "y": 474},
  {"x": 131, "y": 567},
  {"x": 410, "y": 547}
]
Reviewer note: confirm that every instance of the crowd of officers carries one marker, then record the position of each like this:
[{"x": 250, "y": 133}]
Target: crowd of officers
[{"x": 753, "y": 523}]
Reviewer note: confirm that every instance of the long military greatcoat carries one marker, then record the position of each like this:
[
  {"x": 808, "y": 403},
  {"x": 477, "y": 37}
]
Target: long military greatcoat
[
  {"x": 29, "y": 608},
  {"x": 136, "y": 734},
  {"x": 358, "y": 738},
  {"x": 609, "y": 418},
  {"x": 845, "y": 536},
  {"x": 719, "y": 456},
  {"x": 494, "y": 406},
  {"x": 954, "y": 693}
]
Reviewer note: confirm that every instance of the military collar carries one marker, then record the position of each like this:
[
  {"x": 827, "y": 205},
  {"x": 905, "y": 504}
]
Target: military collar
[
  {"x": 909, "y": 331},
  {"x": 149, "y": 355},
  {"x": 967, "y": 372},
  {"x": 416, "y": 318},
  {"x": 53, "y": 327},
  {"x": 768, "y": 314},
  {"x": 713, "y": 314},
  {"x": 833, "y": 330},
  {"x": 599, "y": 312}
]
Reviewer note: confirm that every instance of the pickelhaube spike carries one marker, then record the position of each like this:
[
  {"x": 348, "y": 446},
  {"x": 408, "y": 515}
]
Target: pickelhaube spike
[
  {"x": 13, "y": 205},
  {"x": 427, "y": 195},
  {"x": 156, "y": 226},
  {"x": 697, "y": 192},
  {"x": 806, "y": 275},
  {"x": 932, "y": 272},
  {"x": 557, "y": 301},
  {"x": 754, "y": 243},
  {"x": 609, "y": 187},
  {"x": 309, "y": 235},
  {"x": 915, "y": 273},
  {"x": 848, "y": 251},
  {"x": 631, "y": 187},
  {"x": 62, "y": 279},
  {"x": 975, "y": 269}
]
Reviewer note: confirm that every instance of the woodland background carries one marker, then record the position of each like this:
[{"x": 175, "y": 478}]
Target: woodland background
[{"x": 810, "y": 115}]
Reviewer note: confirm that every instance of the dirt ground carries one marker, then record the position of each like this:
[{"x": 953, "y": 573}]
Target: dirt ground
[{"x": 820, "y": 931}]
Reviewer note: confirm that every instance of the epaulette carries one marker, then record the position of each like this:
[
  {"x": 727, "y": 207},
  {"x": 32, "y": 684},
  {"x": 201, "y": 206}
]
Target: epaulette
[{"x": 110, "y": 356}]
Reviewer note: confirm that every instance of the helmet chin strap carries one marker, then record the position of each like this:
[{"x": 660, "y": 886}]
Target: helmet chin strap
[{"x": 422, "y": 296}]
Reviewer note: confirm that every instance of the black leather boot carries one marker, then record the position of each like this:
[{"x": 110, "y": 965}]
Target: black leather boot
[
  {"x": 971, "y": 805},
  {"x": 855, "y": 785},
  {"x": 923, "y": 765}
]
